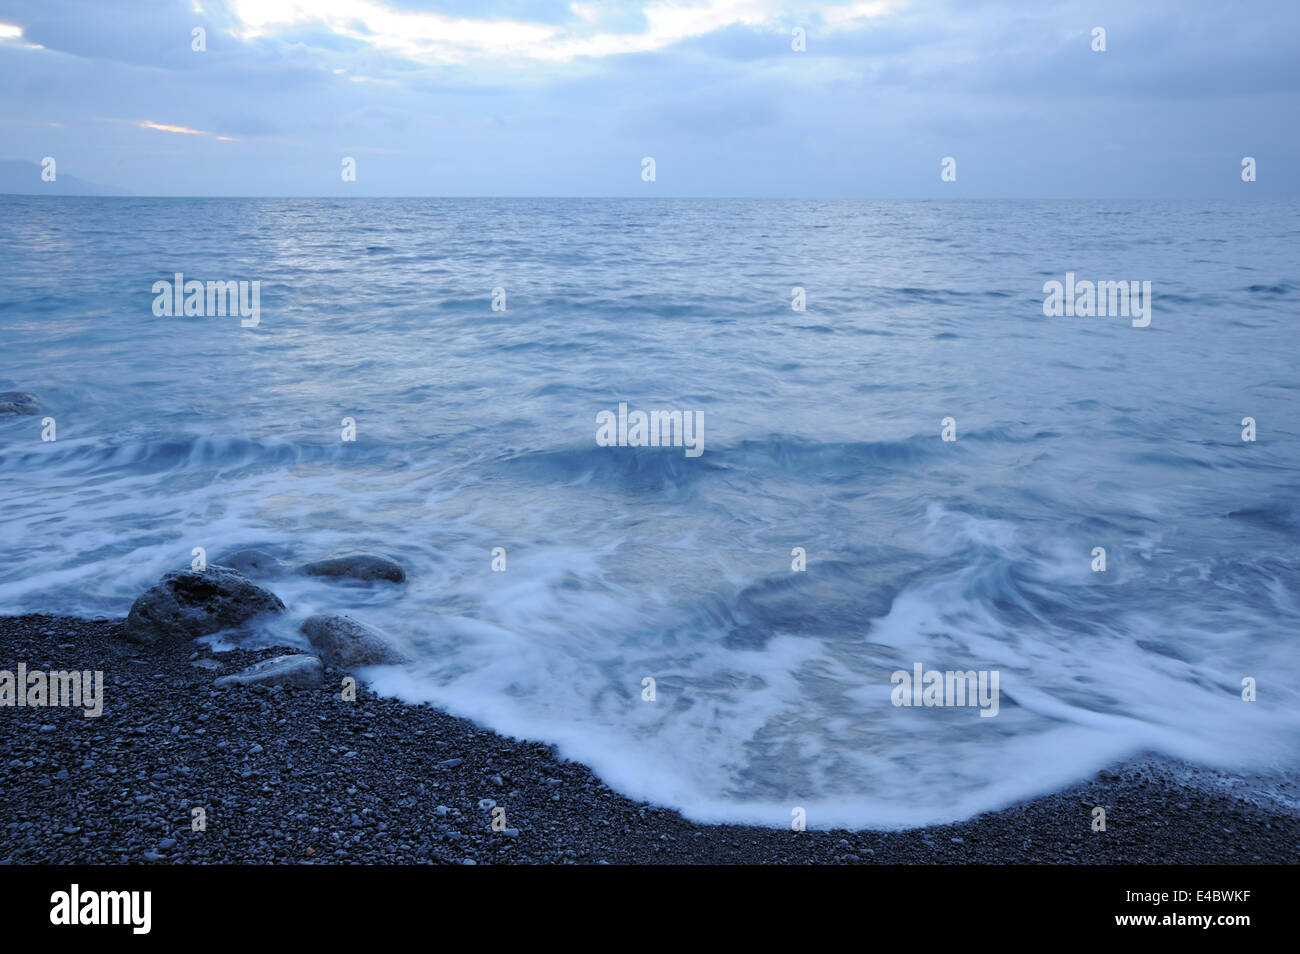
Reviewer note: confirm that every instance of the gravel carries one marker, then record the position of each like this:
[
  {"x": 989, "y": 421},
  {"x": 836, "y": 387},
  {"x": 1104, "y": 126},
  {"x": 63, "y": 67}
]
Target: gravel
[{"x": 298, "y": 776}]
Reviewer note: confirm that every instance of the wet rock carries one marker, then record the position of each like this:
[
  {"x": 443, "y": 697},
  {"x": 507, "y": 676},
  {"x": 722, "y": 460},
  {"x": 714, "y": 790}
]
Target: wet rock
[
  {"x": 18, "y": 402},
  {"x": 346, "y": 643},
  {"x": 299, "y": 670},
  {"x": 254, "y": 563},
  {"x": 187, "y": 604},
  {"x": 366, "y": 567}
]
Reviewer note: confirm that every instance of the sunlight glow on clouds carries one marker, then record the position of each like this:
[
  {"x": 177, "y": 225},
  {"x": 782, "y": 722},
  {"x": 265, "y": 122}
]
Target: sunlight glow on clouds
[
  {"x": 424, "y": 37},
  {"x": 146, "y": 124},
  {"x": 850, "y": 15},
  {"x": 437, "y": 39},
  {"x": 182, "y": 130},
  {"x": 10, "y": 32}
]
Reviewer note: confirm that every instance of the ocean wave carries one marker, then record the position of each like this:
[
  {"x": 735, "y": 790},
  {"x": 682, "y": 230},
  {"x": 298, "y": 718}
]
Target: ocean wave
[{"x": 190, "y": 453}]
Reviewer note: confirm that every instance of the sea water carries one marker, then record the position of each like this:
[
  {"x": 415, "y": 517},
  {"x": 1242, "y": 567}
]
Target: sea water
[{"x": 942, "y": 455}]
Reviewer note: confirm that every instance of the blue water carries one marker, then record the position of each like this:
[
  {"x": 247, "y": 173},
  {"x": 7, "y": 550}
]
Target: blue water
[{"x": 476, "y": 429}]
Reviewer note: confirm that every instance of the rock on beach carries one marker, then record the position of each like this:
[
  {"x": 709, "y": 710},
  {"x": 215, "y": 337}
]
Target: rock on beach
[
  {"x": 187, "y": 604},
  {"x": 348, "y": 644},
  {"x": 366, "y": 567}
]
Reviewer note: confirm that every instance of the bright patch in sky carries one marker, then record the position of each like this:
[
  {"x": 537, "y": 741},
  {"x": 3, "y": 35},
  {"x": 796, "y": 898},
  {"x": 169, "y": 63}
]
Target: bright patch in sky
[
  {"x": 182, "y": 130},
  {"x": 171, "y": 129},
  {"x": 433, "y": 38}
]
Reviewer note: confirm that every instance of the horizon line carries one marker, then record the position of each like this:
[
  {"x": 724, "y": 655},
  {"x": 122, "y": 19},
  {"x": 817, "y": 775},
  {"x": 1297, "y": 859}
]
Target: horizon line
[{"x": 637, "y": 198}]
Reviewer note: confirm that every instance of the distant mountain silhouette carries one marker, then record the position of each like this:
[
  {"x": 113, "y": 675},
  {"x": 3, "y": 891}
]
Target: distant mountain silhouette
[{"x": 18, "y": 176}]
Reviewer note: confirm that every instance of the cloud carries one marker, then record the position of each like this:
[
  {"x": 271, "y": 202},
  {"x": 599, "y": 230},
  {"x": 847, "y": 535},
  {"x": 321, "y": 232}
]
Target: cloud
[
  {"x": 181, "y": 130},
  {"x": 564, "y": 97},
  {"x": 11, "y": 34},
  {"x": 591, "y": 31}
]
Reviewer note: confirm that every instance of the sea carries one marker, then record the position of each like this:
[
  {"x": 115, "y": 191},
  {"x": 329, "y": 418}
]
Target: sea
[{"x": 901, "y": 459}]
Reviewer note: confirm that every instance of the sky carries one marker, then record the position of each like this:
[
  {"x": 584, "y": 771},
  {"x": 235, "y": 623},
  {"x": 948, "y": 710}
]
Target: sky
[{"x": 559, "y": 98}]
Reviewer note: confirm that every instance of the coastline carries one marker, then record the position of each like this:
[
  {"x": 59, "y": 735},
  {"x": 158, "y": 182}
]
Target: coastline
[{"x": 291, "y": 776}]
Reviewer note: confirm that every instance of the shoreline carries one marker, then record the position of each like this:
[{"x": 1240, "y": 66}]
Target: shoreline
[{"x": 290, "y": 776}]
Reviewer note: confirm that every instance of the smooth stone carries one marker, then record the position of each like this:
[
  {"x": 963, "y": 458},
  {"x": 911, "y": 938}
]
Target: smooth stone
[
  {"x": 347, "y": 644},
  {"x": 252, "y": 562},
  {"x": 299, "y": 670},
  {"x": 187, "y": 604},
  {"x": 358, "y": 566}
]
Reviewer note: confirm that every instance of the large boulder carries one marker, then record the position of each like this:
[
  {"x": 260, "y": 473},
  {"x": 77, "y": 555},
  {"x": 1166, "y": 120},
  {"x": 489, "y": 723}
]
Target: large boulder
[
  {"x": 18, "y": 402},
  {"x": 358, "y": 566},
  {"x": 299, "y": 670},
  {"x": 253, "y": 563},
  {"x": 187, "y": 604},
  {"x": 348, "y": 644}
]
